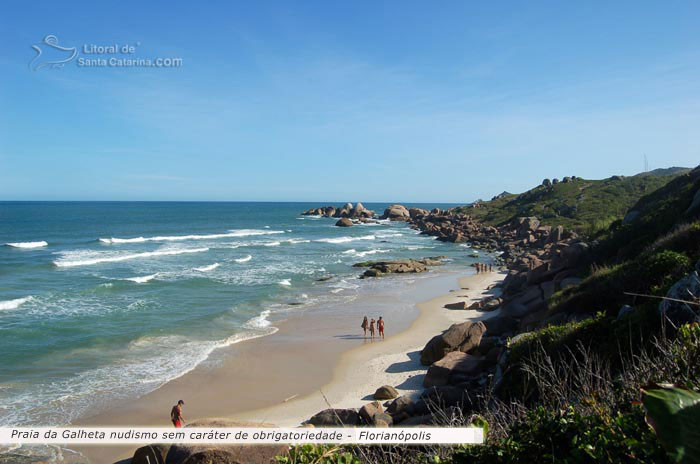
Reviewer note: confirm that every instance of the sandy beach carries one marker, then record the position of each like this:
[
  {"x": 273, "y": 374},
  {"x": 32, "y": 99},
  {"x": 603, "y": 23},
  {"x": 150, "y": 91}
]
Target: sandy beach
[
  {"x": 311, "y": 356},
  {"x": 394, "y": 361}
]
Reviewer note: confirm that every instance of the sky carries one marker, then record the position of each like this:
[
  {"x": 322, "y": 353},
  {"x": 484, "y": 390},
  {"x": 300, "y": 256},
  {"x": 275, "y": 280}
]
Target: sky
[{"x": 342, "y": 101}]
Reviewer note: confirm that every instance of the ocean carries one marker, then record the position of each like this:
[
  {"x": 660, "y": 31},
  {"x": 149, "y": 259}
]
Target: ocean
[{"x": 106, "y": 301}]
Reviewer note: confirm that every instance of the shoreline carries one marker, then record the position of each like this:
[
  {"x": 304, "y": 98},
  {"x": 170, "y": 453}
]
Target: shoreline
[
  {"x": 230, "y": 384},
  {"x": 395, "y": 361}
]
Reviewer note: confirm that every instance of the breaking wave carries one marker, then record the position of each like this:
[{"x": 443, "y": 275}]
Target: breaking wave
[
  {"x": 14, "y": 304},
  {"x": 27, "y": 244},
  {"x": 112, "y": 259}
]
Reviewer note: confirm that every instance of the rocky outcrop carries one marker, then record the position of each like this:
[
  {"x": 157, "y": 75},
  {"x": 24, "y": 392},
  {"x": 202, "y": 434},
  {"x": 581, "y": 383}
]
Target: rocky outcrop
[
  {"x": 369, "y": 411},
  {"x": 396, "y": 213},
  {"x": 357, "y": 211},
  {"x": 416, "y": 213},
  {"x": 344, "y": 222},
  {"x": 335, "y": 417},
  {"x": 407, "y": 266},
  {"x": 462, "y": 337},
  {"x": 469, "y": 358},
  {"x": 386, "y": 392},
  {"x": 454, "y": 363}
]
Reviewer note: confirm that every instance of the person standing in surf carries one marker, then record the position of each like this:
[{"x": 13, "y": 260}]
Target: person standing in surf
[
  {"x": 371, "y": 328},
  {"x": 364, "y": 325},
  {"x": 176, "y": 416},
  {"x": 380, "y": 326}
]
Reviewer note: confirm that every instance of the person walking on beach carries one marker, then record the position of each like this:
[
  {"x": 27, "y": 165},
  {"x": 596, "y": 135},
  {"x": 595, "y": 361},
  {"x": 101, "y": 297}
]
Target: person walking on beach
[
  {"x": 371, "y": 328},
  {"x": 380, "y": 326},
  {"x": 364, "y": 325},
  {"x": 176, "y": 414}
]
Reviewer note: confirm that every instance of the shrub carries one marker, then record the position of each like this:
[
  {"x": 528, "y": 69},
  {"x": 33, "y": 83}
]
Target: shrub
[
  {"x": 606, "y": 288},
  {"x": 570, "y": 437}
]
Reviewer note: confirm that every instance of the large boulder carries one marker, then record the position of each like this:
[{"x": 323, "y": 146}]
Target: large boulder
[
  {"x": 396, "y": 213},
  {"x": 461, "y": 337},
  {"x": 415, "y": 213},
  {"x": 344, "y": 222},
  {"x": 369, "y": 410},
  {"x": 385, "y": 392},
  {"x": 224, "y": 454},
  {"x": 335, "y": 417},
  {"x": 458, "y": 305},
  {"x": 401, "y": 405},
  {"x": 500, "y": 325},
  {"x": 382, "y": 419},
  {"x": 527, "y": 225},
  {"x": 454, "y": 363}
]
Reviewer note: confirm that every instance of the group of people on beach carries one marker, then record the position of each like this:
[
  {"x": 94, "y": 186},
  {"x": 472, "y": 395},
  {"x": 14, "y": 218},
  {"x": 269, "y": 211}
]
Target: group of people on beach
[
  {"x": 481, "y": 267},
  {"x": 369, "y": 325}
]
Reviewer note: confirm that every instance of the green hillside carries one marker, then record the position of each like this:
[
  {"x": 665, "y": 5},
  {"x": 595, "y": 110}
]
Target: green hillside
[{"x": 584, "y": 205}]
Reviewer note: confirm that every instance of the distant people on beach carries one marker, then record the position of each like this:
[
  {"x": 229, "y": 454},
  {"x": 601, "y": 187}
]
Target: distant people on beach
[
  {"x": 176, "y": 414},
  {"x": 480, "y": 267},
  {"x": 380, "y": 326},
  {"x": 365, "y": 325},
  {"x": 371, "y": 328}
]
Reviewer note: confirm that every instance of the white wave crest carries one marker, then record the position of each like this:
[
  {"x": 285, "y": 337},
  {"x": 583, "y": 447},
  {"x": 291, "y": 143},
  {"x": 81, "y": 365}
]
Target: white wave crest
[
  {"x": 111, "y": 259},
  {"x": 351, "y": 251},
  {"x": 371, "y": 252},
  {"x": 294, "y": 241},
  {"x": 14, "y": 304},
  {"x": 260, "y": 321},
  {"x": 27, "y": 244},
  {"x": 389, "y": 235},
  {"x": 142, "y": 279},
  {"x": 285, "y": 282},
  {"x": 172, "y": 238},
  {"x": 211, "y": 267},
  {"x": 244, "y": 259},
  {"x": 346, "y": 239},
  {"x": 271, "y": 244}
]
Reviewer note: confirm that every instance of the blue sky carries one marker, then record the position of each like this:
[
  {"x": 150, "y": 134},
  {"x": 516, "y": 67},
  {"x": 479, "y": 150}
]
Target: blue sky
[{"x": 345, "y": 101}]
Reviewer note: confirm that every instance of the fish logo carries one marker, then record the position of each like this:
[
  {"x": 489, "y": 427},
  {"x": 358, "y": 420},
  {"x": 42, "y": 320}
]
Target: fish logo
[{"x": 51, "y": 54}]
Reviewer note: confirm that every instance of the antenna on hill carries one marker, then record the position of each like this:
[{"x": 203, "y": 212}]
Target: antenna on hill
[{"x": 646, "y": 163}]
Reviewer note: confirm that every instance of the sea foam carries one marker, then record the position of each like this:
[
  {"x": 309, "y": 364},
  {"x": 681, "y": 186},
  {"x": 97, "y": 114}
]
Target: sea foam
[{"x": 244, "y": 259}]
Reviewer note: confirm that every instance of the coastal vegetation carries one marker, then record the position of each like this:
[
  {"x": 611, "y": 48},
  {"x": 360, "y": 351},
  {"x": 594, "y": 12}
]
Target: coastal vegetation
[{"x": 586, "y": 206}]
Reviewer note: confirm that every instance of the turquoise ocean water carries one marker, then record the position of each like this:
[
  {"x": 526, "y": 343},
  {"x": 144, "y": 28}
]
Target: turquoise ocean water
[{"x": 107, "y": 300}]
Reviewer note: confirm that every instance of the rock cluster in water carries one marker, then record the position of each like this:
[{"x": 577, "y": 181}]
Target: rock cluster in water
[{"x": 404, "y": 266}]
